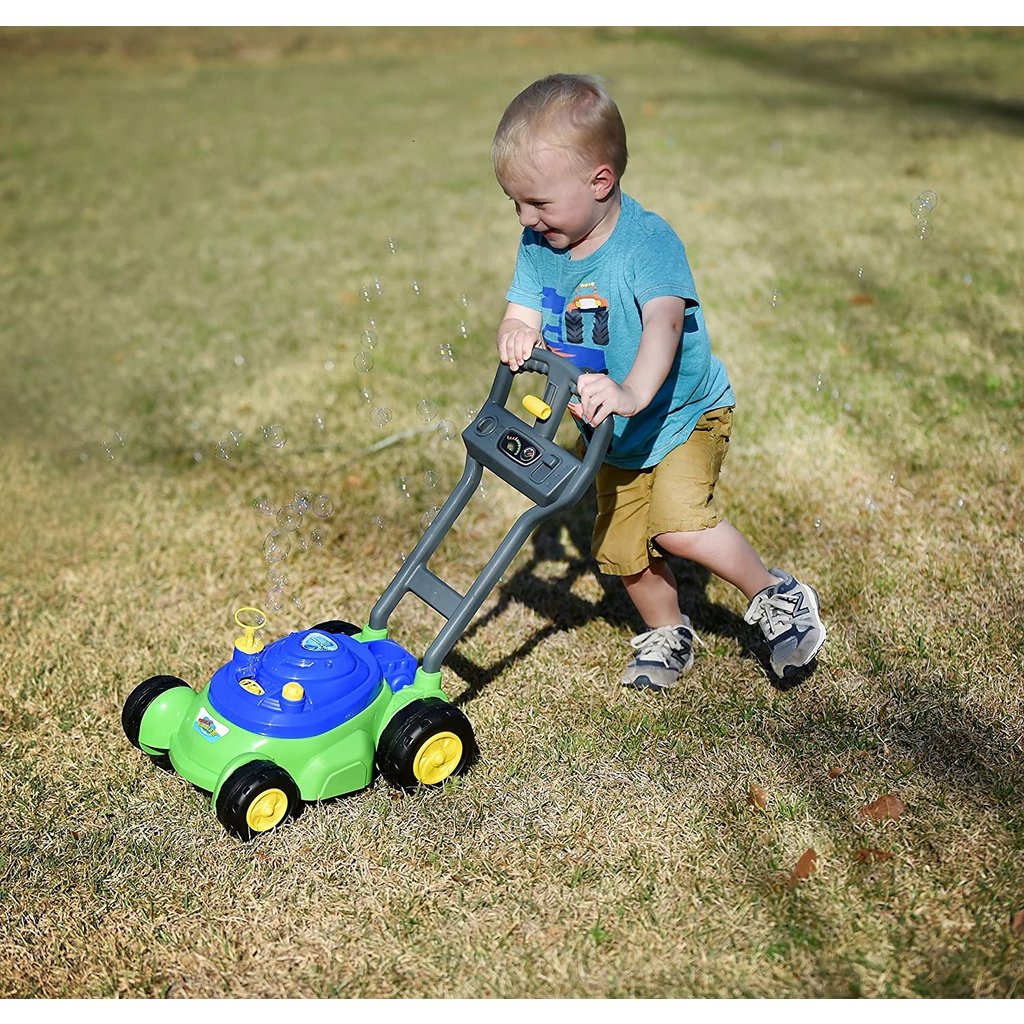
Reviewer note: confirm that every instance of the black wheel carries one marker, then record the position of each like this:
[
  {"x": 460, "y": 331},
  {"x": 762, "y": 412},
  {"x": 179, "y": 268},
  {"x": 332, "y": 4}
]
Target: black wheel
[
  {"x": 600, "y": 336},
  {"x": 425, "y": 743},
  {"x": 338, "y": 626},
  {"x": 574, "y": 326},
  {"x": 256, "y": 798},
  {"x": 140, "y": 699}
]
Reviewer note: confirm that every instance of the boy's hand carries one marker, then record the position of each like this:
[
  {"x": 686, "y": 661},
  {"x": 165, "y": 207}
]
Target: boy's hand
[
  {"x": 516, "y": 343},
  {"x": 600, "y": 397}
]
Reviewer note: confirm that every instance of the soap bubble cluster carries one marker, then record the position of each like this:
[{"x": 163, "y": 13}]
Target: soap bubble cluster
[{"x": 921, "y": 206}]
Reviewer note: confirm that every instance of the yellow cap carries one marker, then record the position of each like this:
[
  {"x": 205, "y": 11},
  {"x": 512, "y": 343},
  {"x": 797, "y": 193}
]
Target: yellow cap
[{"x": 293, "y": 691}]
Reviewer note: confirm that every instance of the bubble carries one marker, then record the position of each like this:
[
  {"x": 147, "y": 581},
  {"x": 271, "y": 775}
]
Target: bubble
[
  {"x": 378, "y": 521},
  {"x": 447, "y": 355},
  {"x": 221, "y": 451},
  {"x": 317, "y": 537},
  {"x": 430, "y": 515},
  {"x": 275, "y": 598},
  {"x": 276, "y": 576},
  {"x": 236, "y": 438},
  {"x": 923, "y": 229},
  {"x": 403, "y": 486},
  {"x": 368, "y": 339},
  {"x": 378, "y": 287},
  {"x": 363, "y": 362},
  {"x": 776, "y": 297},
  {"x": 302, "y": 499},
  {"x": 322, "y": 506},
  {"x": 464, "y": 328},
  {"x": 869, "y": 504},
  {"x": 111, "y": 454},
  {"x": 469, "y": 413},
  {"x": 300, "y": 541},
  {"x": 924, "y": 202},
  {"x": 464, "y": 299},
  {"x": 297, "y": 601},
  {"x": 892, "y": 479},
  {"x": 860, "y": 273},
  {"x": 274, "y": 435},
  {"x": 817, "y": 524},
  {"x": 120, "y": 438},
  {"x": 289, "y": 517},
  {"x": 197, "y": 456},
  {"x": 263, "y": 506},
  {"x": 276, "y": 546},
  {"x": 239, "y": 360},
  {"x": 446, "y": 430},
  {"x": 328, "y": 365},
  {"x": 819, "y": 382},
  {"x": 430, "y": 477},
  {"x": 416, "y": 288},
  {"x": 392, "y": 244},
  {"x": 367, "y": 296},
  {"x": 426, "y": 410},
  {"x": 382, "y": 416},
  {"x": 366, "y": 394},
  {"x": 961, "y": 501},
  {"x": 318, "y": 422},
  {"x": 968, "y": 279}
]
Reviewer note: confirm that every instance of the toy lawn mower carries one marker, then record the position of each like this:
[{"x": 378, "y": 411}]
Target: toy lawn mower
[{"x": 308, "y": 716}]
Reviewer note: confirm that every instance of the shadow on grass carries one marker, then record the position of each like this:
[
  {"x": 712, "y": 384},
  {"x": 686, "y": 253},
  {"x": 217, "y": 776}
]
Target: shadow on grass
[
  {"x": 554, "y": 600},
  {"x": 835, "y": 61}
]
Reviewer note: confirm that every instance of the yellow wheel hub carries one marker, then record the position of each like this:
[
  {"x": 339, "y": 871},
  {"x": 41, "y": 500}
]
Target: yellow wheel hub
[
  {"x": 437, "y": 758},
  {"x": 267, "y": 810}
]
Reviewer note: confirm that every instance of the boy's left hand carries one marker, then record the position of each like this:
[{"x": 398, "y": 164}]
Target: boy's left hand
[{"x": 600, "y": 397}]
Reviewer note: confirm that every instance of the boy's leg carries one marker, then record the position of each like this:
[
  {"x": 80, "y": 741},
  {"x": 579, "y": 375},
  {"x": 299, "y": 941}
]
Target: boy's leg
[
  {"x": 622, "y": 548},
  {"x": 654, "y": 594},
  {"x": 724, "y": 551}
]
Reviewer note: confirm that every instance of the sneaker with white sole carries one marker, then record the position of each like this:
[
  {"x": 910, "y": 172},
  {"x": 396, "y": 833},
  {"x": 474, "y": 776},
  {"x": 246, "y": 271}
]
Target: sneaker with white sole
[
  {"x": 662, "y": 655},
  {"x": 788, "y": 614}
]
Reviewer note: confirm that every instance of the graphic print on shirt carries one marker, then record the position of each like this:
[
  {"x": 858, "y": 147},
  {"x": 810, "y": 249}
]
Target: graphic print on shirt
[{"x": 570, "y": 325}]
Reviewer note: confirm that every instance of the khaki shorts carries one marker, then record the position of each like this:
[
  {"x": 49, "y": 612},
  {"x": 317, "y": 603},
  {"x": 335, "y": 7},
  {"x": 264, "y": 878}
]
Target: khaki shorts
[{"x": 675, "y": 496}]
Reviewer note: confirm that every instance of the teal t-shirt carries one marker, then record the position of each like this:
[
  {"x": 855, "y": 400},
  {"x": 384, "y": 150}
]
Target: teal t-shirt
[{"x": 591, "y": 313}]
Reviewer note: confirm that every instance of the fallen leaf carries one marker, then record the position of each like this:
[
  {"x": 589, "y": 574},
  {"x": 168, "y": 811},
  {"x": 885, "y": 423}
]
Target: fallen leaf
[
  {"x": 758, "y": 797},
  {"x": 861, "y": 299},
  {"x": 1017, "y": 923},
  {"x": 888, "y": 807},
  {"x": 805, "y": 867},
  {"x": 835, "y": 771},
  {"x": 870, "y": 855},
  {"x": 354, "y": 481}
]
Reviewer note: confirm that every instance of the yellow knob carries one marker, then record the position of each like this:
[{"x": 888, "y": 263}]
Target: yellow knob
[
  {"x": 536, "y": 407},
  {"x": 293, "y": 691}
]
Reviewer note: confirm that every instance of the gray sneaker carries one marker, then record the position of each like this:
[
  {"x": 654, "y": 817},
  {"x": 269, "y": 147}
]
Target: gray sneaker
[
  {"x": 788, "y": 616},
  {"x": 662, "y": 655}
]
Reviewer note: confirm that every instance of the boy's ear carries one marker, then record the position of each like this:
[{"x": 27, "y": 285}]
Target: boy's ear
[{"x": 602, "y": 181}]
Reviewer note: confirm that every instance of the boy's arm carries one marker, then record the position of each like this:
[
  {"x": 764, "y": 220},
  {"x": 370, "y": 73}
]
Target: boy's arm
[
  {"x": 518, "y": 335},
  {"x": 600, "y": 396}
]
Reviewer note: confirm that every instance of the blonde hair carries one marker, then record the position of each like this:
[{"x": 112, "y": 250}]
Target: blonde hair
[{"x": 570, "y": 112}]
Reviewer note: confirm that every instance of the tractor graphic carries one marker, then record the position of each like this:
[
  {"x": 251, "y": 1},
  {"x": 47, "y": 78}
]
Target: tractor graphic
[{"x": 587, "y": 301}]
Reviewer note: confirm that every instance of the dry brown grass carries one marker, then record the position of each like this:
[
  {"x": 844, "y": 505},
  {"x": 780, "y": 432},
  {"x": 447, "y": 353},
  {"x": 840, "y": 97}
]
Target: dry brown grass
[{"x": 170, "y": 203}]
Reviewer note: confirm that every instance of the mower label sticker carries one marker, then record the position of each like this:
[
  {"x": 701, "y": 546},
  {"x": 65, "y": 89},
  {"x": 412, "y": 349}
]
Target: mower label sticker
[
  {"x": 319, "y": 642},
  {"x": 208, "y": 727}
]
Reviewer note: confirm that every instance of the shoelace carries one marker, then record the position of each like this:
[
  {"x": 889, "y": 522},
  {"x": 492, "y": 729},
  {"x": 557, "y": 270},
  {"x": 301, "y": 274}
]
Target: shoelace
[
  {"x": 659, "y": 644},
  {"x": 774, "y": 613}
]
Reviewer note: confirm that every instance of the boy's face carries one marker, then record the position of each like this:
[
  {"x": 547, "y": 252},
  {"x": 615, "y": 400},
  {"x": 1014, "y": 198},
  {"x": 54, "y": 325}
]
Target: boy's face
[{"x": 557, "y": 201}]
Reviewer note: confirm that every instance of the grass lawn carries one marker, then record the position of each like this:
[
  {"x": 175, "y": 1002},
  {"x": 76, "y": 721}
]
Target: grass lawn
[{"x": 240, "y": 265}]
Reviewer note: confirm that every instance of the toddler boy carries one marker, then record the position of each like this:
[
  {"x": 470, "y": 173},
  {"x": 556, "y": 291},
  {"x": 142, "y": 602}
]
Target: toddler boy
[{"x": 602, "y": 281}]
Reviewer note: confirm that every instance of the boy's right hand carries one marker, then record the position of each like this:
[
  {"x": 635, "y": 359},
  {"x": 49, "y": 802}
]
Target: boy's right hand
[{"x": 516, "y": 343}]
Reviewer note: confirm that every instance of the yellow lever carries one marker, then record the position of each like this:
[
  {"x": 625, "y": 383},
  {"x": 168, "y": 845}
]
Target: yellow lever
[{"x": 536, "y": 407}]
